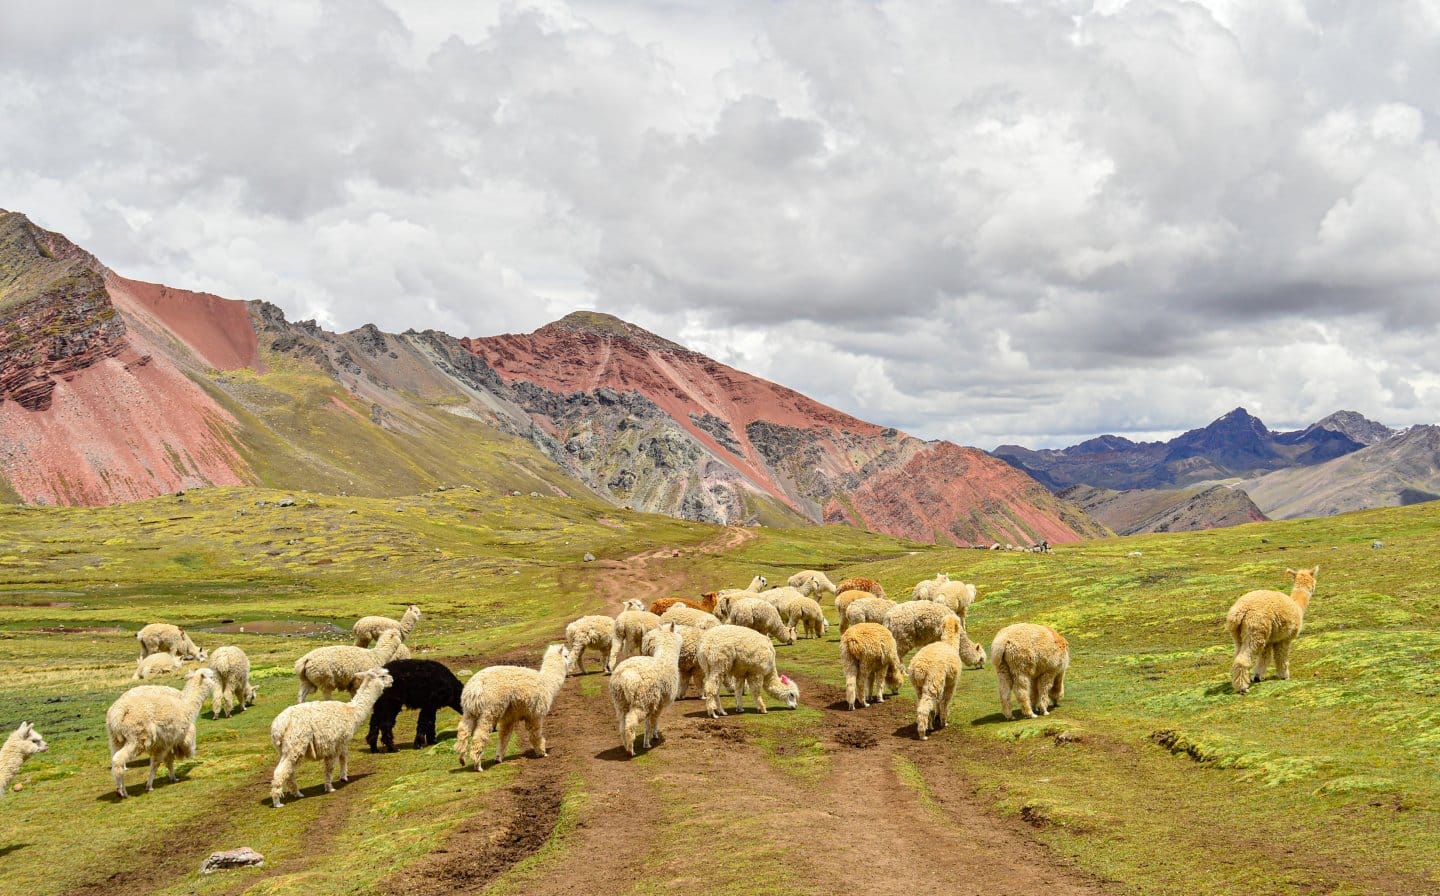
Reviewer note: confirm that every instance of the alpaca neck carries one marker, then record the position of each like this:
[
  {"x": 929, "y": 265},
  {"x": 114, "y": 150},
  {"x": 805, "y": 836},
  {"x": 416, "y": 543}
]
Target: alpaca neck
[
  {"x": 12, "y": 755},
  {"x": 194, "y": 694},
  {"x": 407, "y": 622},
  {"x": 1301, "y": 595},
  {"x": 386, "y": 649},
  {"x": 364, "y": 700}
]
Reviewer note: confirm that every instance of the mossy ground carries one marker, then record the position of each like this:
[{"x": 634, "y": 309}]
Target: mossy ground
[{"x": 1151, "y": 774}]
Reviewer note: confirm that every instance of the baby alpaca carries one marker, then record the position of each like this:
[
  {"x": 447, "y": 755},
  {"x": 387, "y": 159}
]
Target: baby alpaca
[
  {"x": 501, "y": 697},
  {"x": 22, "y": 743},
  {"x": 867, "y": 653},
  {"x": 155, "y": 665},
  {"x": 643, "y": 686},
  {"x": 321, "y": 730},
  {"x": 1264, "y": 625},
  {"x": 1030, "y": 662}
]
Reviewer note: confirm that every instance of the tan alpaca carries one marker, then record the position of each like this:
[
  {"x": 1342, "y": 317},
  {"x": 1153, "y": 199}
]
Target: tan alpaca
[{"x": 1263, "y": 624}]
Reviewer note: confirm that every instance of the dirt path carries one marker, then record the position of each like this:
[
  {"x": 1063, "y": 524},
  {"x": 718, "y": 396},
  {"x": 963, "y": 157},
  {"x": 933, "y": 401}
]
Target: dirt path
[{"x": 712, "y": 781}]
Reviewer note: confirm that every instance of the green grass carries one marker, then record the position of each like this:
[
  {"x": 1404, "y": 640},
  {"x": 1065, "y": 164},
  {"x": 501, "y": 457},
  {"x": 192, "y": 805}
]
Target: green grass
[{"x": 1152, "y": 773}]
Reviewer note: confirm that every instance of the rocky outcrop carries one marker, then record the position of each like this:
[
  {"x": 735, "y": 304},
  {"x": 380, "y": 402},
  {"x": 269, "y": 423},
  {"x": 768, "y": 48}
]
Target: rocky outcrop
[
  {"x": 1403, "y": 469},
  {"x": 55, "y": 316},
  {"x": 1165, "y": 510}
]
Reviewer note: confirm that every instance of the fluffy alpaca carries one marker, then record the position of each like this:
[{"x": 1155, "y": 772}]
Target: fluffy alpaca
[
  {"x": 155, "y": 665},
  {"x": 690, "y": 671},
  {"x": 338, "y": 668},
  {"x": 162, "y": 637},
  {"x": 807, "y": 617},
  {"x": 156, "y": 720},
  {"x": 866, "y": 609},
  {"x": 924, "y": 590},
  {"x": 368, "y": 629},
  {"x": 744, "y": 659},
  {"x": 321, "y": 730},
  {"x": 869, "y": 585},
  {"x": 503, "y": 697},
  {"x": 417, "y": 684},
  {"x": 589, "y": 633},
  {"x": 958, "y": 596},
  {"x": 761, "y": 615},
  {"x": 683, "y": 615},
  {"x": 844, "y": 599},
  {"x": 756, "y": 585},
  {"x": 934, "y": 672},
  {"x": 706, "y": 603},
  {"x": 1264, "y": 625},
  {"x": 232, "y": 669},
  {"x": 1030, "y": 662},
  {"x": 919, "y": 622},
  {"x": 630, "y": 629},
  {"x": 867, "y": 653},
  {"x": 643, "y": 686},
  {"x": 812, "y": 583},
  {"x": 22, "y": 743}
]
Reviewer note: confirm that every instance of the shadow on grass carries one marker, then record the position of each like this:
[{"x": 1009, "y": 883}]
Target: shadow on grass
[
  {"x": 315, "y": 789},
  {"x": 14, "y": 847},
  {"x": 617, "y": 753},
  {"x": 994, "y": 718}
]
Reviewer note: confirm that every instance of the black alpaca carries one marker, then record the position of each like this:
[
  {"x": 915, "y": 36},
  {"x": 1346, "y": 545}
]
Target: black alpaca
[{"x": 419, "y": 684}]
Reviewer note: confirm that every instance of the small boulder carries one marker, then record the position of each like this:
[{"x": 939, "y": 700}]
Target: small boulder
[
  {"x": 285, "y": 502},
  {"x": 231, "y": 858},
  {"x": 1377, "y": 545},
  {"x": 589, "y": 556}
]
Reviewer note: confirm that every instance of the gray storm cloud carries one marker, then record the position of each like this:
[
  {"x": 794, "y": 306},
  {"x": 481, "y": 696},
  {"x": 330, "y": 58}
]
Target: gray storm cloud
[{"x": 984, "y": 221}]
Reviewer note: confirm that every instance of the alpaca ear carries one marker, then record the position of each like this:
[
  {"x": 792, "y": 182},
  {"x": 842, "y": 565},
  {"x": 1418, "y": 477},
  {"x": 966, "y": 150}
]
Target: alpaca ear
[
  {"x": 1316, "y": 570},
  {"x": 26, "y": 728},
  {"x": 1290, "y": 573}
]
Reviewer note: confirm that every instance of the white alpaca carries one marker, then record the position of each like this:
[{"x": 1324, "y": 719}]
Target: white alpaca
[
  {"x": 162, "y": 637},
  {"x": 232, "y": 668},
  {"x": 156, "y": 720},
  {"x": 367, "y": 629},
  {"x": 643, "y": 686},
  {"x": 589, "y": 633},
  {"x": 322, "y": 730},
  {"x": 22, "y": 743},
  {"x": 742, "y": 659},
  {"x": 503, "y": 697},
  {"x": 338, "y": 668}
]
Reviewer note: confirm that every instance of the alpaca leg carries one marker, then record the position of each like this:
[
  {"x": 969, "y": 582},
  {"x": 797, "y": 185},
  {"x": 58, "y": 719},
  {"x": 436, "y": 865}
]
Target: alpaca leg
[
  {"x": 535, "y": 730},
  {"x": 463, "y": 731},
  {"x": 757, "y": 687},
  {"x": 372, "y": 735},
  {"x": 1265, "y": 654},
  {"x": 877, "y": 683},
  {"x": 947, "y": 693},
  {"x": 628, "y": 727},
  {"x": 1007, "y": 690},
  {"x": 329, "y": 774},
  {"x": 284, "y": 774},
  {"x": 118, "y": 762},
  {"x": 424, "y": 729},
  {"x": 154, "y": 763},
  {"x": 614, "y": 655},
  {"x": 1022, "y": 688},
  {"x": 503, "y": 745},
  {"x": 345, "y": 762},
  {"x": 1043, "y": 684},
  {"x": 924, "y": 708},
  {"x": 1282, "y": 660},
  {"x": 850, "y": 687},
  {"x": 1057, "y": 690},
  {"x": 737, "y": 687},
  {"x": 711, "y": 692},
  {"x": 170, "y": 767},
  {"x": 215, "y": 703}
]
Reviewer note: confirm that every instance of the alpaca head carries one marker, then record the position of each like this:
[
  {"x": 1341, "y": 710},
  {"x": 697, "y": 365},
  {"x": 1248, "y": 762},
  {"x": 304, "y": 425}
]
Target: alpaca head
[
  {"x": 207, "y": 679},
  {"x": 894, "y": 678},
  {"x": 971, "y": 654},
  {"x": 633, "y": 603},
  {"x": 789, "y": 636},
  {"x": 250, "y": 694},
  {"x": 788, "y": 691},
  {"x": 380, "y": 675},
  {"x": 28, "y": 740},
  {"x": 1304, "y": 578}
]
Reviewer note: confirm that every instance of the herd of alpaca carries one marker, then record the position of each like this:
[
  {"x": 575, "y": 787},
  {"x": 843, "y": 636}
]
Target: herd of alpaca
[{"x": 653, "y": 656}]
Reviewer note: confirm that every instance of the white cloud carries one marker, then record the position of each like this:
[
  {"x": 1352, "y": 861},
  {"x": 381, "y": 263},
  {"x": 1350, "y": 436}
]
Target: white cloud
[{"x": 987, "y": 221}]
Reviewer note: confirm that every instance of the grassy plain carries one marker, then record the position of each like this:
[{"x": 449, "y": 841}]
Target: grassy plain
[{"x": 1162, "y": 782}]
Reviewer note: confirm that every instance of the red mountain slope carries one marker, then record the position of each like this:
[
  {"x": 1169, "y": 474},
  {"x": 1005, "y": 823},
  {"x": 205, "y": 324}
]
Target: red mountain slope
[{"x": 816, "y": 461}]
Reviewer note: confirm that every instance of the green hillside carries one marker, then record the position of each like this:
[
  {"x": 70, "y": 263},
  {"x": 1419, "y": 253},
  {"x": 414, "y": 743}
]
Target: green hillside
[{"x": 1152, "y": 776}]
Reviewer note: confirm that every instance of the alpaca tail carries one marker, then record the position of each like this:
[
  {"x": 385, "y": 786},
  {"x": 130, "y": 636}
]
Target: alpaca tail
[{"x": 1249, "y": 643}]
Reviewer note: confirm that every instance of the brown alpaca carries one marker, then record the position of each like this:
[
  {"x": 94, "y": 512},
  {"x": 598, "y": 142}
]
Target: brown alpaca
[
  {"x": 1263, "y": 624},
  {"x": 706, "y": 603},
  {"x": 869, "y": 585}
]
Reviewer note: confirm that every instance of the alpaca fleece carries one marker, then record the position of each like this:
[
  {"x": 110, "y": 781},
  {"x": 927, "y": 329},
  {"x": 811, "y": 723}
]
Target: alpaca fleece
[{"x": 425, "y": 685}]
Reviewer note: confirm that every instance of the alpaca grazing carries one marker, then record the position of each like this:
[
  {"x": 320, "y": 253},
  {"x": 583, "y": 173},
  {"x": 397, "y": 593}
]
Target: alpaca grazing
[
  {"x": 321, "y": 730},
  {"x": 1030, "y": 662},
  {"x": 425, "y": 685},
  {"x": 1264, "y": 625}
]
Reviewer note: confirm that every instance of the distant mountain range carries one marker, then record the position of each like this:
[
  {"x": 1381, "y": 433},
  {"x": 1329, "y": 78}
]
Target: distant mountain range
[
  {"x": 113, "y": 389},
  {"x": 1236, "y": 444}
]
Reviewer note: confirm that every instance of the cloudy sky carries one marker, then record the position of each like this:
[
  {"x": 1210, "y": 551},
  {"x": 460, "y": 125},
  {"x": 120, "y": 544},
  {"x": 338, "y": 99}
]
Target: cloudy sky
[{"x": 1027, "y": 221}]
